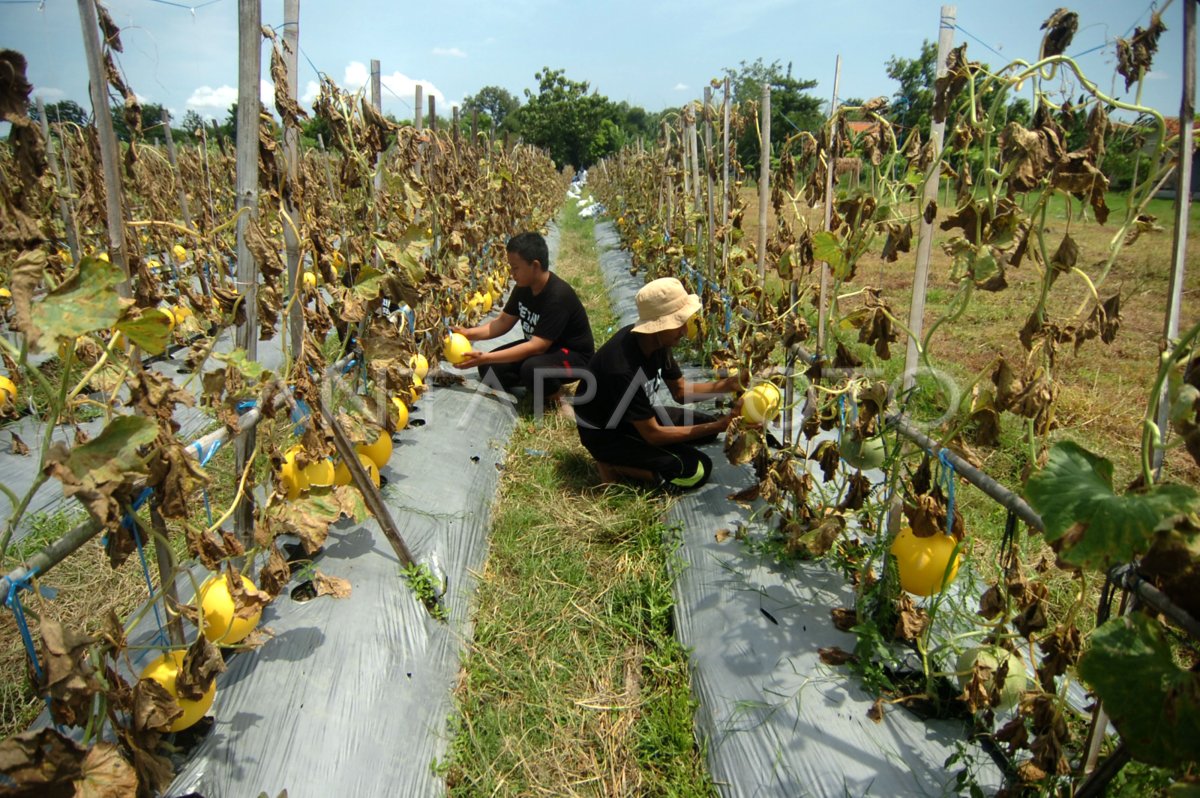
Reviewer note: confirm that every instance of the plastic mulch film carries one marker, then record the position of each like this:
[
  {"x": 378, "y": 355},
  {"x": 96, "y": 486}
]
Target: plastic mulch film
[{"x": 352, "y": 696}]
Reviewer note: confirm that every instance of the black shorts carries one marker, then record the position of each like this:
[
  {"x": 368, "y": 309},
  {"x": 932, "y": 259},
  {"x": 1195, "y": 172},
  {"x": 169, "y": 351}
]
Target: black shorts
[
  {"x": 546, "y": 372},
  {"x": 678, "y": 467}
]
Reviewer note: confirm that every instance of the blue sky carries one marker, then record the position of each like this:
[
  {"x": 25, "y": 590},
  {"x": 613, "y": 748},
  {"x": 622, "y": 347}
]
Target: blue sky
[{"x": 654, "y": 54}]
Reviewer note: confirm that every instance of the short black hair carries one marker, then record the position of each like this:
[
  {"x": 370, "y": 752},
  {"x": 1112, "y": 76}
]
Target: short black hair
[{"x": 531, "y": 247}]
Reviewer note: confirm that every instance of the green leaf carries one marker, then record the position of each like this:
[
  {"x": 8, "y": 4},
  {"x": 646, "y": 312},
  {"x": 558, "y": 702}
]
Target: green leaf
[
  {"x": 369, "y": 283},
  {"x": 148, "y": 329},
  {"x": 1074, "y": 495},
  {"x": 84, "y": 302},
  {"x": 827, "y": 247},
  {"x": 252, "y": 370},
  {"x": 983, "y": 265},
  {"x": 1154, "y": 704}
]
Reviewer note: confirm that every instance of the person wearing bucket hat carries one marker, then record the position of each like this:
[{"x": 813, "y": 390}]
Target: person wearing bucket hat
[{"x": 628, "y": 435}]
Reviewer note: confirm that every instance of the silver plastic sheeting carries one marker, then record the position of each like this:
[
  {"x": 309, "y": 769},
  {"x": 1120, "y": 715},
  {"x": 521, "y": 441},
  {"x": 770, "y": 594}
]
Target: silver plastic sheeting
[
  {"x": 351, "y": 696},
  {"x": 776, "y": 721}
]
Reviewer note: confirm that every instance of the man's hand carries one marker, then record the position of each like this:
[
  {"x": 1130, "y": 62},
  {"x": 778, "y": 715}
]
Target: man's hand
[
  {"x": 463, "y": 331},
  {"x": 473, "y": 359}
]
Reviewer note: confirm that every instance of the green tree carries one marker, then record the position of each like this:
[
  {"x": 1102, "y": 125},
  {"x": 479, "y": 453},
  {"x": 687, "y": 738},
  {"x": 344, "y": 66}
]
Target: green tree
[
  {"x": 791, "y": 108},
  {"x": 497, "y": 109},
  {"x": 151, "y": 118},
  {"x": 565, "y": 117},
  {"x": 63, "y": 111},
  {"x": 315, "y": 126},
  {"x": 192, "y": 121},
  {"x": 912, "y": 106}
]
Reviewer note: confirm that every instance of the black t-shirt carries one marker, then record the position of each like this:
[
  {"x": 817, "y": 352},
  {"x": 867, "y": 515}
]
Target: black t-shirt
[
  {"x": 555, "y": 314},
  {"x": 625, "y": 381}
]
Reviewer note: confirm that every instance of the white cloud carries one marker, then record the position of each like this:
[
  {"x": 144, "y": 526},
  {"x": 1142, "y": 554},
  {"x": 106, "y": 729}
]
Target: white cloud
[
  {"x": 681, "y": 87},
  {"x": 48, "y": 94},
  {"x": 397, "y": 87},
  {"x": 207, "y": 99},
  {"x": 453, "y": 52},
  {"x": 311, "y": 90}
]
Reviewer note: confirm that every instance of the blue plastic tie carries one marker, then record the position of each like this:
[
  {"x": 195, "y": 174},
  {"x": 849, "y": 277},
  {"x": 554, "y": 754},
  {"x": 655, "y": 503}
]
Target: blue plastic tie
[
  {"x": 243, "y": 406},
  {"x": 948, "y": 472},
  {"x": 130, "y": 523},
  {"x": 13, "y": 601}
]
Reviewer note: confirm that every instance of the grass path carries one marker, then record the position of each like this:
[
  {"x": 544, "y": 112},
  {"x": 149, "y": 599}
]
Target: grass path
[{"x": 574, "y": 683}]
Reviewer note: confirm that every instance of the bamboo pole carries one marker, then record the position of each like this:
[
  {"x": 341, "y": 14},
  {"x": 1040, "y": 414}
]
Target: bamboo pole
[
  {"x": 1183, "y": 204},
  {"x": 764, "y": 181},
  {"x": 110, "y": 150},
  {"x": 166, "y": 574},
  {"x": 916, "y": 316},
  {"x": 291, "y": 156},
  {"x": 1002, "y": 495},
  {"x": 377, "y": 104},
  {"x": 377, "y": 178},
  {"x": 830, "y": 165},
  {"x": 249, "y": 70},
  {"x": 70, "y": 228}
]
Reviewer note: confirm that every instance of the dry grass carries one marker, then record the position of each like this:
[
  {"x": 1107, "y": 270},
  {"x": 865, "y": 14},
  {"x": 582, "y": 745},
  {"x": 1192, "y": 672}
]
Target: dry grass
[
  {"x": 87, "y": 588},
  {"x": 1104, "y": 387}
]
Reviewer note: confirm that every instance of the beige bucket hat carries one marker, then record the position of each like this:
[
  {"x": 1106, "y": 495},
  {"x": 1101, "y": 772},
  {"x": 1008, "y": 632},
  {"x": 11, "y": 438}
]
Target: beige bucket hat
[{"x": 664, "y": 304}]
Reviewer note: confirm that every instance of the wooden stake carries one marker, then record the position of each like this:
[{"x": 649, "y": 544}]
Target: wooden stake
[
  {"x": 185, "y": 212},
  {"x": 764, "y": 181},
  {"x": 830, "y": 162},
  {"x": 916, "y": 316},
  {"x": 369, "y": 490},
  {"x": 110, "y": 151},
  {"x": 432, "y": 113},
  {"x": 1183, "y": 204},
  {"x": 249, "y": 103},
  {"x": 711, "y": 183},
  {"x": 291, "y": 156},
  {"x": 417, "y": 108}
]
